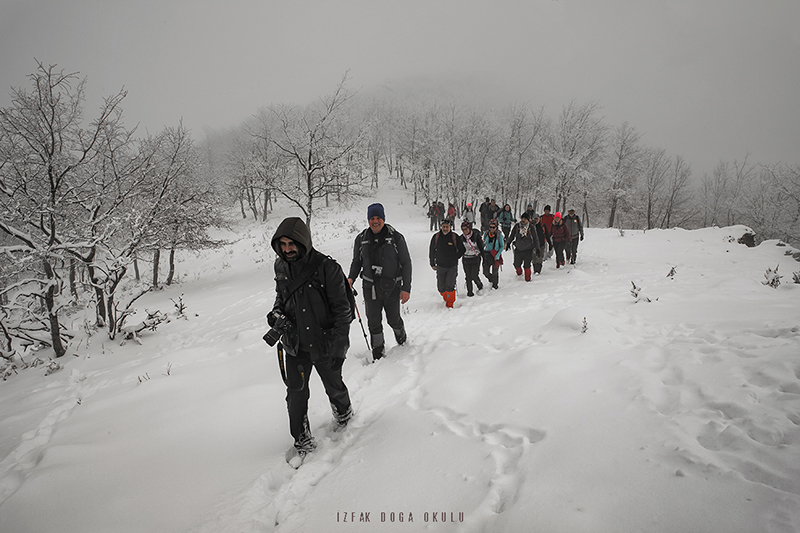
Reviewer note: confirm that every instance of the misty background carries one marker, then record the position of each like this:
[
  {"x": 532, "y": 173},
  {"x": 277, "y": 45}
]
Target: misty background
[{"x": 709, "y": 81}]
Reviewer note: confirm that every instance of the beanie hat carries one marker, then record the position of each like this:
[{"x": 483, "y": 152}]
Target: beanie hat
[
  {"x": 466, "y": 224},
  {"x": 376, "y": 210},
  {"x": 525, "y": 216},
  {"x": 557, "y": 215}
]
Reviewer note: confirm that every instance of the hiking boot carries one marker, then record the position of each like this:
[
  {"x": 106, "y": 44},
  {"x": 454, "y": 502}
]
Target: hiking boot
[
  {"x": 471, "y": 293},
  {"x": 341, "y": 420},
  {"x": 401, "y": 338},
  {"x": 305, "y": 445},
  {"x": 378, "y": 352}
]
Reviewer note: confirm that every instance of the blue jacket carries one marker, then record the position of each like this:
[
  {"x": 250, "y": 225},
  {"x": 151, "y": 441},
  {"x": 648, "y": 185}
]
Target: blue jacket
[{"x": 497, "y": 243}]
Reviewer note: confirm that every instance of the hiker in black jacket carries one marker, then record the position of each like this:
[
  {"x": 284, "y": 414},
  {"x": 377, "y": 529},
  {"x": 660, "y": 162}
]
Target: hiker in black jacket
[
  {"x": 381, "y": 259},
  {"x": 312, "y": 312},
  {"x": 444, "y": 252},
  {"x": 525, "y": 241}
]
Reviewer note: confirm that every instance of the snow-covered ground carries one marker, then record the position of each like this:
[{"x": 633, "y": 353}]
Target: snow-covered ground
[{"x": 503, "y": 414}]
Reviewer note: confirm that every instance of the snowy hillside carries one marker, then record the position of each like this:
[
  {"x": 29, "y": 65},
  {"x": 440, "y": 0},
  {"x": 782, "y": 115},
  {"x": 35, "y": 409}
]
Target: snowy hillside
[{"x": 559, "y": 405}]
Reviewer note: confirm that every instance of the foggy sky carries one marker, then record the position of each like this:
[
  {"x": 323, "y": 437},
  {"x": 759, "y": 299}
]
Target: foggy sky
[{"x": 708, "y": 80}]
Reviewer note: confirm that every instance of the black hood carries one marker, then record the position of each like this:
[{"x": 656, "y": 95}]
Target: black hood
[{"x": 295, "y": 229}]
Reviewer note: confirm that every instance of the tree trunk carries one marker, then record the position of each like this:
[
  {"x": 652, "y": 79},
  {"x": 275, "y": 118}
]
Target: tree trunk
[
  {"x": 171, "y": 274},
  {"x": 73, "y": 289},
  {"x": 156, "y": 259},
  {"x": 52, "y": 313},
  {"x": 266, "y": 206},
  {"x": 136, "y": 267},
  {"x": 613, "y": 213}
]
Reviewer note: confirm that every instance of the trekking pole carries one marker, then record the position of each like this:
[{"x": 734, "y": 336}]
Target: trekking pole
[{"x": 358, "y": 314}]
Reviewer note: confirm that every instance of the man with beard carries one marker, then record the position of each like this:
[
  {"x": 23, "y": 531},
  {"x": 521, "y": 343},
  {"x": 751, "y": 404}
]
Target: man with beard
[
  {"x": 381, "y": 258},
  {"x": 444, "y": 252},
  {"x": 526, "y": 243},
  {"x": 312, "y": 314}
]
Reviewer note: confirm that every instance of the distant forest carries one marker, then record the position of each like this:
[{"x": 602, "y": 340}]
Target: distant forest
[{"x": 85, "y": 200}]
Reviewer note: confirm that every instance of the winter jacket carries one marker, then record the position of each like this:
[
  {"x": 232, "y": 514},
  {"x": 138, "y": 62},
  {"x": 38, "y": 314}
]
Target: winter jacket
[
  {"x": 560, "y": 233},
  {"x": 382, "y": 255},
  {"x": 524, "y": 238},
  {"x": 506, "y": 218},
  {"x": 547, "y": 221},
  {"x": 573, "y": 223},
  {"x": 473, "y": 246},
  {"x": 541, "y": 233},
  {"x": 494, "y": 211},
  {"x": 494, "y": 244},
  {"x": 469, "y": 216},
  {"x": 318, "y": 311},
  {"x": 484, "y": 211},
  {"x": 445, "y": 250}
]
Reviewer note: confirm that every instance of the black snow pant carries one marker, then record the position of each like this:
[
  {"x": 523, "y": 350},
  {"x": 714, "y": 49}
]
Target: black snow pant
[
  {"x": 538, "y": 257},
  {"x": 560, "y": 246},
  {"x": 572, "y": 251},
  {"x": 491, "y": 268},
  {"x": 446, "y": 278},
  {"x": 298, "y": 372},
  {"x": 522, "y": 258},
  {"x": 472, "y": 268},
  {"x": 434, "y": 224},
  {"x": 376, "y": 303}
]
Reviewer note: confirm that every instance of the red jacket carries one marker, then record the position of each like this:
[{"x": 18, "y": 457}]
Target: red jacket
[
  {"x": 561, "y": 233},
  {"x": 547, "y": 220}
]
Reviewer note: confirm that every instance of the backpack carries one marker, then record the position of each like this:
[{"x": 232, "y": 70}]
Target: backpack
[
  {"x": 436, "y": 239},
  {"x": 351, "y": 292}
]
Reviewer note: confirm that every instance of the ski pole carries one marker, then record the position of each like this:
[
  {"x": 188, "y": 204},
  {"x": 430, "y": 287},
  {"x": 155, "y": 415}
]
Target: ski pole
[{"x": 358, "y": 313}]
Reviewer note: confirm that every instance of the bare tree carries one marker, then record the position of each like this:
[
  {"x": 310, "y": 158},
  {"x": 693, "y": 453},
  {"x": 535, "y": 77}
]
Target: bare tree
[
  {"x": 653, "y": 185},
  {"x": 49, "y": 155},
  {"x": 624, "y": 163},
  {"x": 574, "y": 147},
  {"x": 316, "y": 139},
  {"x": 677, "y": 194}
]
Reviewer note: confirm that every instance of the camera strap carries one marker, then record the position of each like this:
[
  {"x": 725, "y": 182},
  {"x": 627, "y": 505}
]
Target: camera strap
[
  {"x": 305, "y": 275},
  {"x": 281, "y": 363}
]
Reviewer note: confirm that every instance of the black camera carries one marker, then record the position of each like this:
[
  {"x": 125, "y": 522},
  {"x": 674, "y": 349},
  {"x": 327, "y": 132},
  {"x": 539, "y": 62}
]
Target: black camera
[{"x": 280, "y": 326}]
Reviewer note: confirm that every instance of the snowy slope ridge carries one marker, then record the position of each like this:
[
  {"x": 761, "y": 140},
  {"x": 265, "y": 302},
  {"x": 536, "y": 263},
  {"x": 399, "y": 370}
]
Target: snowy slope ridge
[{"x": 559, "y": 405}]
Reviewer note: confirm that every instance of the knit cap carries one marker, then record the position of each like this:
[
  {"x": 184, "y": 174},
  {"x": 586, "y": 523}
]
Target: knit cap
[{"x": 376, "y": 210}]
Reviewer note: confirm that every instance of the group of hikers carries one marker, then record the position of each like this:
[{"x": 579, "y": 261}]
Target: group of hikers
[
  {"x": 314, "y": 299},
  {"x": 534, "y": 239}
]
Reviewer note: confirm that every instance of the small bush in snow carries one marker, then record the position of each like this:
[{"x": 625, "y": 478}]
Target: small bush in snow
[
  {"x": 637, "y": 293},
  {"x": 180, "y": 307},
  {"x": 7, "y": 370},
  {"x": 672, "y": 273},
  {"x": 585, "y": 327},
  {"x": 796, "y": 277},
  {"x": 772, "y": 278}
]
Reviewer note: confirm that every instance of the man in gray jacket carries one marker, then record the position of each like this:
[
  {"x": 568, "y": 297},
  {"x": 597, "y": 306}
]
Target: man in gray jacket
[{"x": 573, "y": 223}]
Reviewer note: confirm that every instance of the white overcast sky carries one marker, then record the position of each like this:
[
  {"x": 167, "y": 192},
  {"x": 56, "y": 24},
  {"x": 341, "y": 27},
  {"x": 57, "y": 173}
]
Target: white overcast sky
[{"x": 709, "y": 80}]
